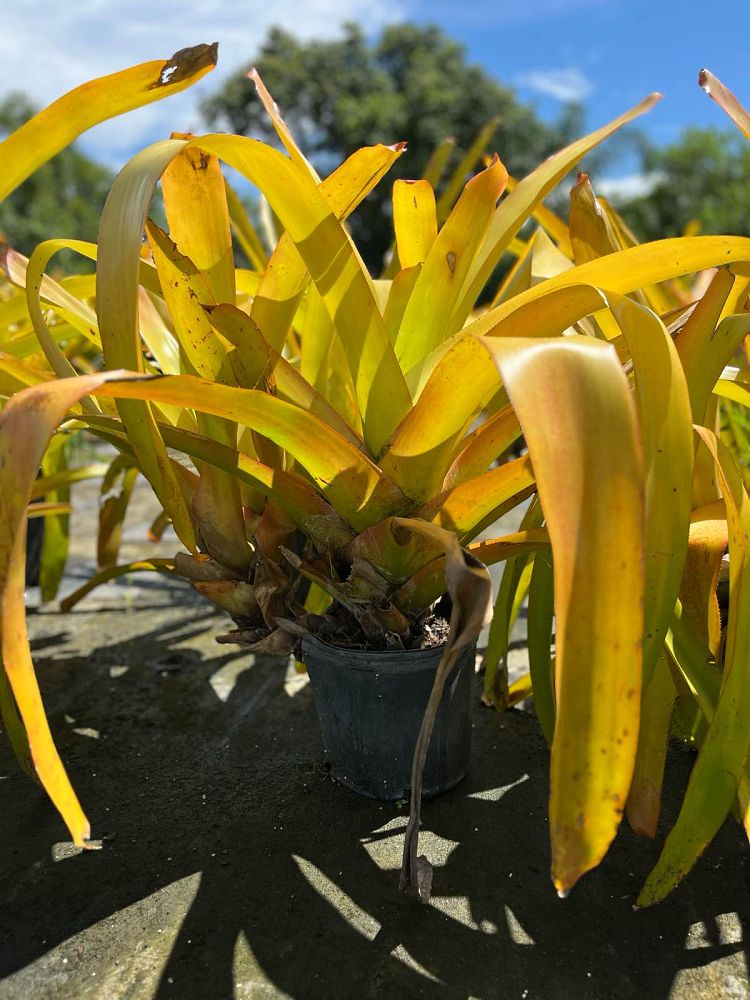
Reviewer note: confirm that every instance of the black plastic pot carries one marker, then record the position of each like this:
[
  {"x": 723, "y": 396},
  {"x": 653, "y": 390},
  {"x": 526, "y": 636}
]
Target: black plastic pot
[
  {"x": 370, "y": 706},
  {"x": 34, "y": 542}
]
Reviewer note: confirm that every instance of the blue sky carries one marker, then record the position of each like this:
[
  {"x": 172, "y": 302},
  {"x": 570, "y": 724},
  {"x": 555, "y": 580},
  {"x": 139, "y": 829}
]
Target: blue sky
[{"x": 609, "y": 53}]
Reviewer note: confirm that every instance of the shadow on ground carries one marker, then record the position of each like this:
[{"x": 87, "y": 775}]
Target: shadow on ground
[{"x": 233, "y": 867}]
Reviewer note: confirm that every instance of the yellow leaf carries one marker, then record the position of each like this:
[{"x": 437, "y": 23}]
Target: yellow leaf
[
  {"x": 627, "y": 270},
  {"x": 465, "y": 166},
  {"x": 414, "y": 221},
  {"x": 579, "y": 420},
  {"x": 291, "y": 386},
  {"x": 354, "y": 485},
  {"x": 195, "y": 202},
  {"x": 514, "y": 210},
  {"x": 117, "y": 282},
  {"x": 426, "y": 321},
  {"x": 346, "y": 289},
  {"x": 666, "y": 432},
  {"x": 473, "y": 505},
  {"x": 592, "y": 234},
  {"x": 26, "y": 425},
  {"x": 57, "y": 126},
  {"x": 693, "y": 341}
]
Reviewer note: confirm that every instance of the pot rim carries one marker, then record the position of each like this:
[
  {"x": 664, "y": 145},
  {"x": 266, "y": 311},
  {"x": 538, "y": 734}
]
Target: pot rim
[{"x": 380, "y": 660}]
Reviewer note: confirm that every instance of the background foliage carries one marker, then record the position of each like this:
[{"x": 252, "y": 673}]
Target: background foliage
[{"x": 412, "y": 84}]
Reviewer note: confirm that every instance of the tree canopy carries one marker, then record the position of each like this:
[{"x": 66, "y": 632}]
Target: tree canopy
[
  {"x": 704, "y": 177},
  {"x": 412, "y": 84}
]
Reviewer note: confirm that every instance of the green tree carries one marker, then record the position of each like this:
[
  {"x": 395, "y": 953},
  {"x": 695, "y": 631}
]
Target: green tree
[
  {"x": 414, "y": 83},
  {"x": 63, "y": 198},
  {"x": 705, "y": 176}
]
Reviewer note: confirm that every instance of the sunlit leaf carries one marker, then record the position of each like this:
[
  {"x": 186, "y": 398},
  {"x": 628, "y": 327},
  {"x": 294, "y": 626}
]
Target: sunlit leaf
[
  {"x": 591, "y": 489},
  {"x": 58, "y": 125}
]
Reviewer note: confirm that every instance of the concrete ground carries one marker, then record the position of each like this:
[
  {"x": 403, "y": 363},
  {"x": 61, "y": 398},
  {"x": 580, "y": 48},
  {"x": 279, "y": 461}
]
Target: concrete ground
[{"x": 232, "y": 866}]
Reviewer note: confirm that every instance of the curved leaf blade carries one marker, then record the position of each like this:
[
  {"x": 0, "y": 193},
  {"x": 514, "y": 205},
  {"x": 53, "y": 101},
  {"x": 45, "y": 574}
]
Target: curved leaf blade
[
  {"x": 591, "y": 489},
  {"x": 58, "y": 125}
]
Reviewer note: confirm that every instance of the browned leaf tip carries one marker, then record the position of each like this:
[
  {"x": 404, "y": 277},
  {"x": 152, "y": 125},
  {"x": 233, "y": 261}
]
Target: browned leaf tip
[{"x": 187, "y": 62}]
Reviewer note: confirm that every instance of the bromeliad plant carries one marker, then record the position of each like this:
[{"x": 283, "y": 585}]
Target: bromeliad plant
[{"x": 346, "y": 440}]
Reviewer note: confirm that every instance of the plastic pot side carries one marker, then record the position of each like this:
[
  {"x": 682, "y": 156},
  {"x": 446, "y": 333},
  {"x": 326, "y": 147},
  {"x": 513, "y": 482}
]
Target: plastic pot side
[{"x": 370, "y": 707}]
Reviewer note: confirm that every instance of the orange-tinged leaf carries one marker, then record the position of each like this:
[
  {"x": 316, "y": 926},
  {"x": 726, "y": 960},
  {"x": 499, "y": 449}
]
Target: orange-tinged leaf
[
  {"x": 198, "y": 217},
  {"x": 709, "y": 537},
  {"x": 481, "y": 448},
  {"x": 58, "y": 125},
  {"x": 494, "y": 550},
  {"x": 550, "y": 312},
  {"x": 725, "y": 99},
  {"x": 592, "y": 234},
  {"x": 354, "y": 485},
  {"x": 424, "y": 442},
  {"x": 26, "y": 425},
  {"x": 644, "y": 801},
  {"x": 591, "y": 489},
  {"x": 427, "y": 584},
  {"x": 473, "y": 505}
]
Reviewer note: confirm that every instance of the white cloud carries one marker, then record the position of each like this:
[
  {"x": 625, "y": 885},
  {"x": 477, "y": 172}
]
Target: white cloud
[
  {"x": 568, "y": 84},
  {"x": 47, "y": 48},
  {"x": 630, "y": 186}
]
